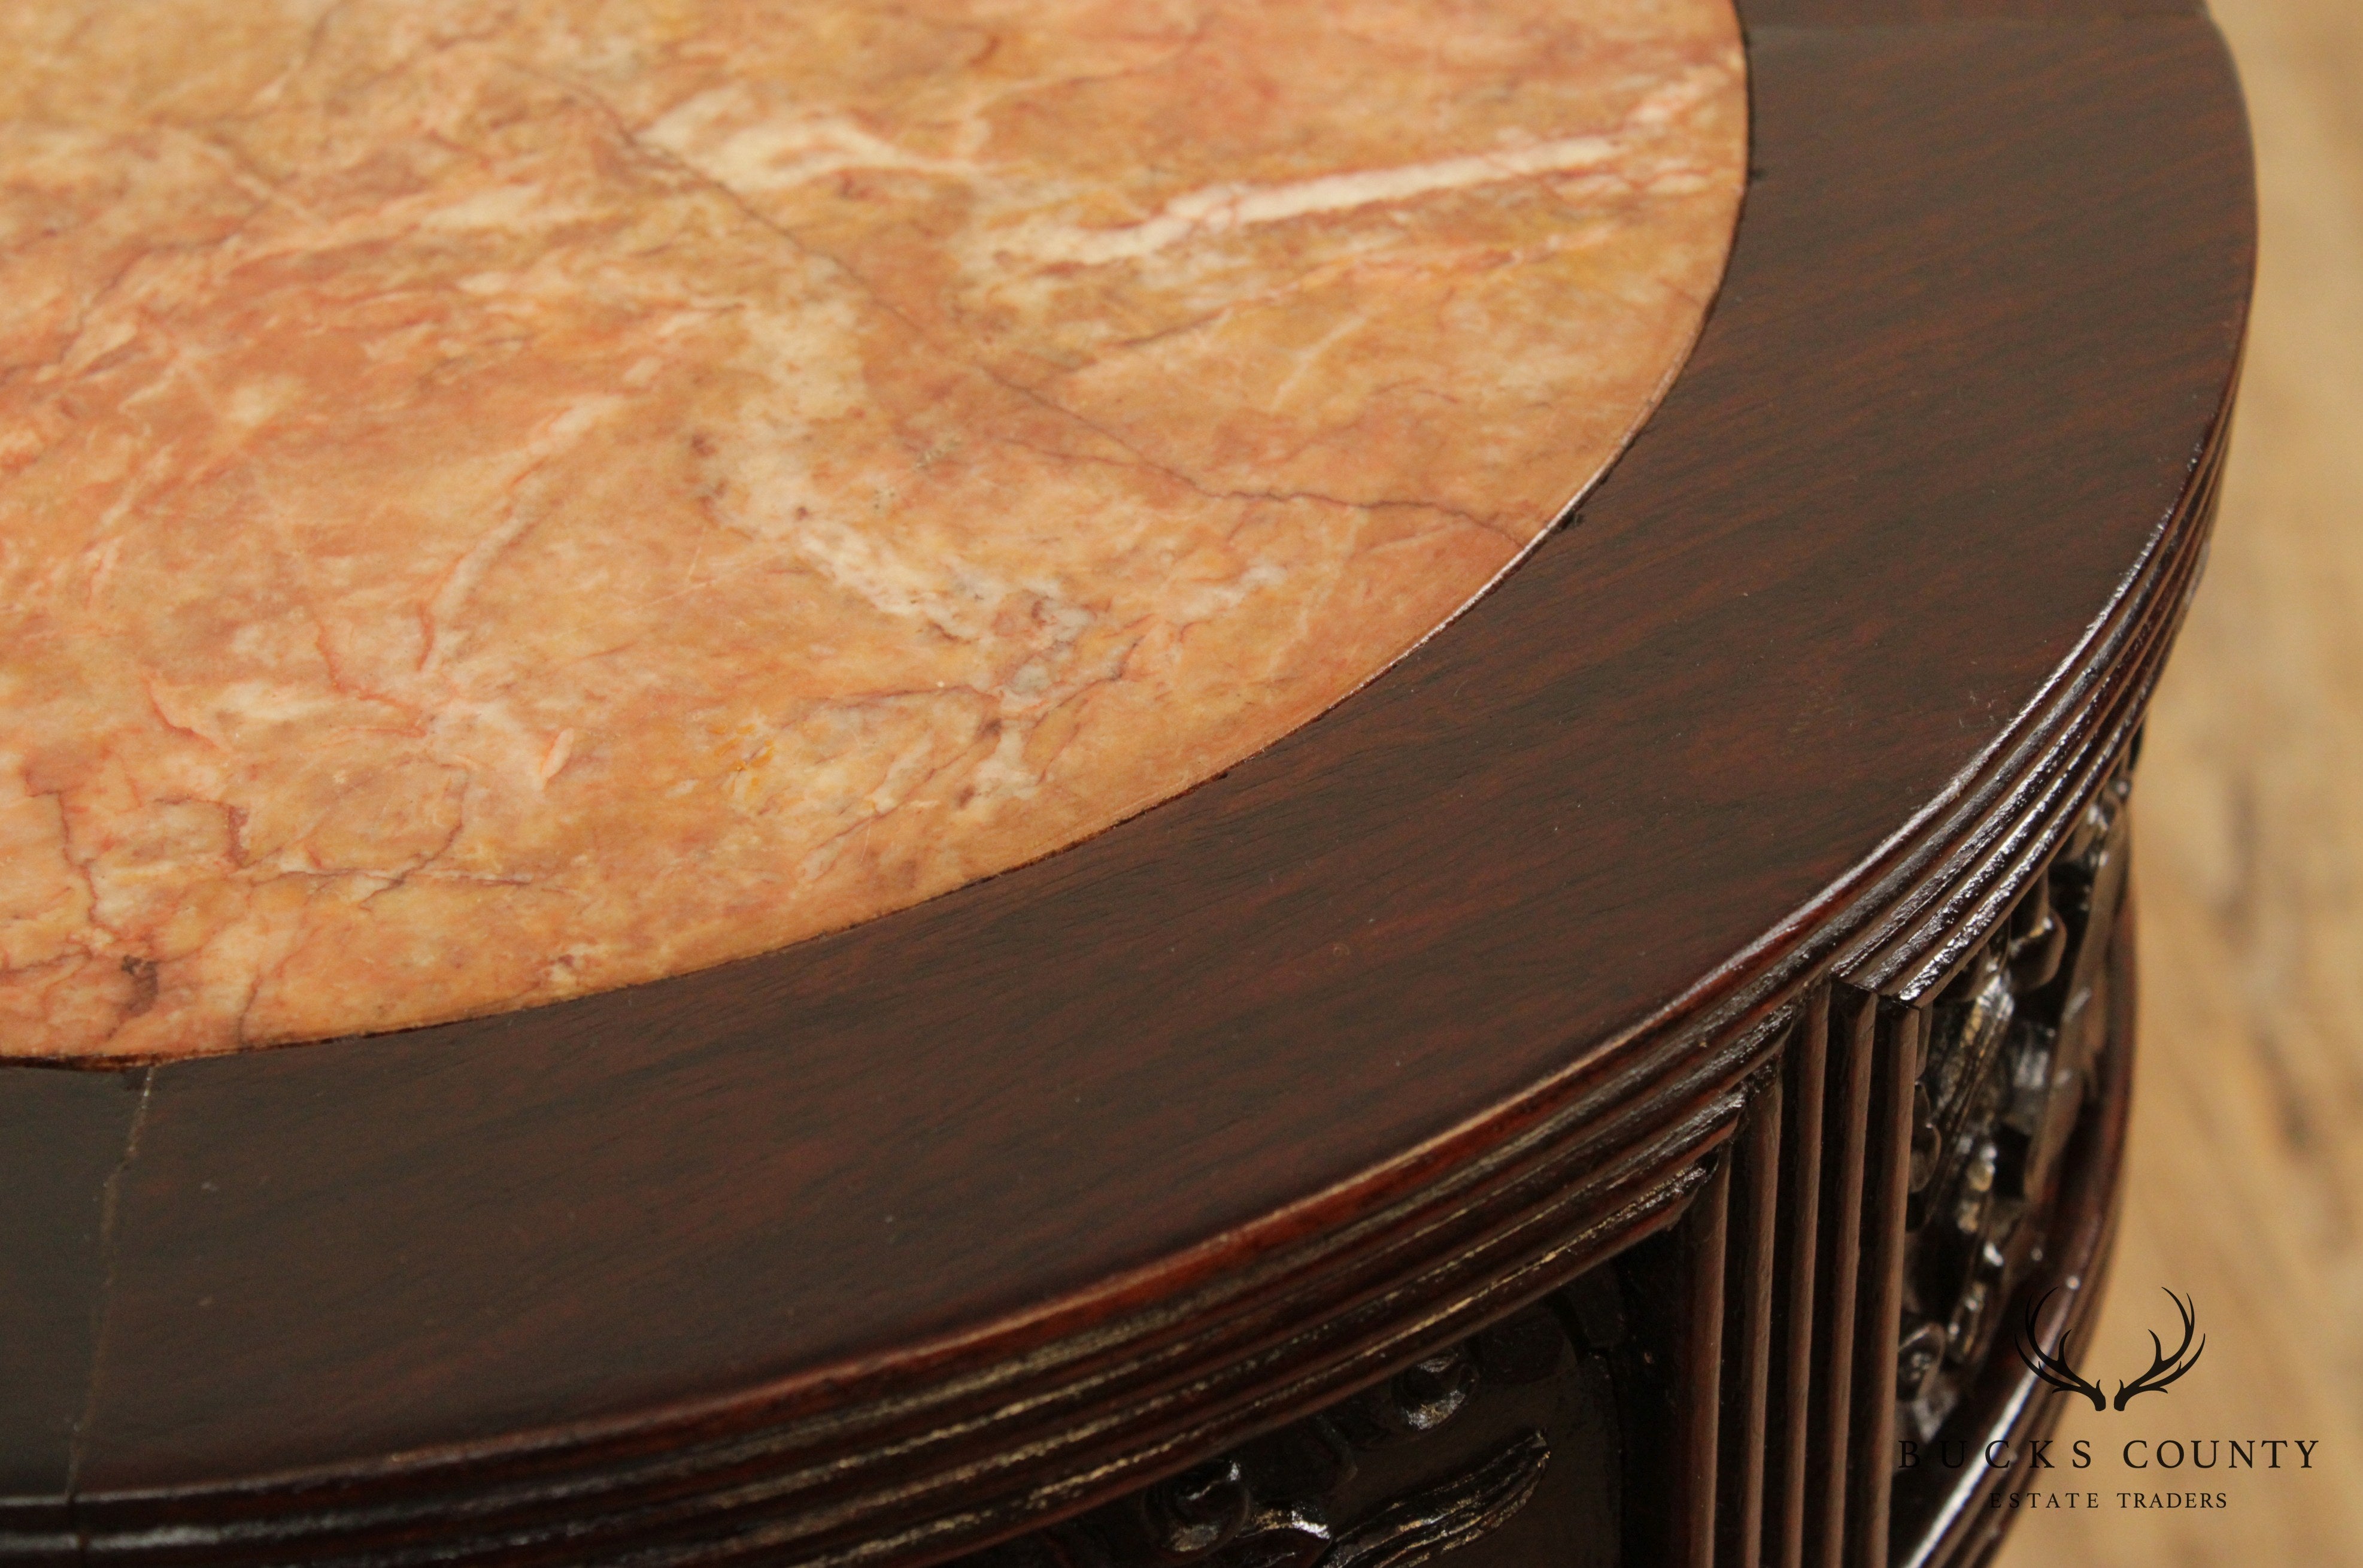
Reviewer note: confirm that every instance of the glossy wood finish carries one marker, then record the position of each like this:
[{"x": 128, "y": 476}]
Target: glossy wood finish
[
  {"x": 1887, "y": 1167},
  {"x": 1788, "y": 1490},
  {"x": 1505, "y": 1450},
  {"x": 1744, "y": 1454},
  {"x": 896, "y": 1241},
  {"x": 1995, "y": 1140},
  {"x": 1853, "y": 1034},
  {"x": 2034, "y": 1043},
  {"x": 62, "y": 1137}
]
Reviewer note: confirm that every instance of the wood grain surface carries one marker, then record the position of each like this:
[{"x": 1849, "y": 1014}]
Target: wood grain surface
[
  {"x": 997, "y": 1205},
  {"x": 2245, "y": 1185}
]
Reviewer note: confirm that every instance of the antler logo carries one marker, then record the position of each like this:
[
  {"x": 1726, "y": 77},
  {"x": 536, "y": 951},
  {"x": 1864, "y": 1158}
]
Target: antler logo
[
  {"x": 2164, "y": 1369},
  {"x": 2053, "y": 1367}
]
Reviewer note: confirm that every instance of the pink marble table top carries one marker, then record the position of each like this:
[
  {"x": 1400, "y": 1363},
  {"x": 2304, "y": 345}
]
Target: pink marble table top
[{"x": 502, "y": 500}]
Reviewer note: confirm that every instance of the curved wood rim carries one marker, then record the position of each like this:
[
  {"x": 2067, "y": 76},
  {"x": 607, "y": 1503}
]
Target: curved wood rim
[{"x": 1400, "y": 1022}]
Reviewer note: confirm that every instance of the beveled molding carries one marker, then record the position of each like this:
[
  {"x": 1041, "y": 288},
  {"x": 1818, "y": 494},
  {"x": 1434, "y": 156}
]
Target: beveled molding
[
  {"x": 1874, "y": 602},
  {"x": 1906, "y": 1187}
]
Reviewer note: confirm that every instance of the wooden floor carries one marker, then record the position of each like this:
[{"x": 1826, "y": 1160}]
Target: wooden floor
[{"x": 2247, "y": 1181}]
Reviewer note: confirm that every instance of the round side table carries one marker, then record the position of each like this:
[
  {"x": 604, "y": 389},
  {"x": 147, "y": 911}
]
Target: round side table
[{"x": 1586, "y": 1098}]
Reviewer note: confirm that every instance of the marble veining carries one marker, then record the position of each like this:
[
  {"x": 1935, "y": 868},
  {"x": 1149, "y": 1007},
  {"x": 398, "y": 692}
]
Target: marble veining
[{"x": 501, "y": 500}]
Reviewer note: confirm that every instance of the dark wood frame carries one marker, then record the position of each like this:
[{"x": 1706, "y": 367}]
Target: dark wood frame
[{"x": 898, "y": 1242}]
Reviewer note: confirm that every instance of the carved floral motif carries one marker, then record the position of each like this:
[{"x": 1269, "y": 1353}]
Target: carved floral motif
[{"x": 2008, "y": 1057}]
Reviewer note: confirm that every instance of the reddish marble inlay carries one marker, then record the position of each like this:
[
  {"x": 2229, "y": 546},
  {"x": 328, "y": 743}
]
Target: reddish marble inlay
[{"x": 499, "y": 500}]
